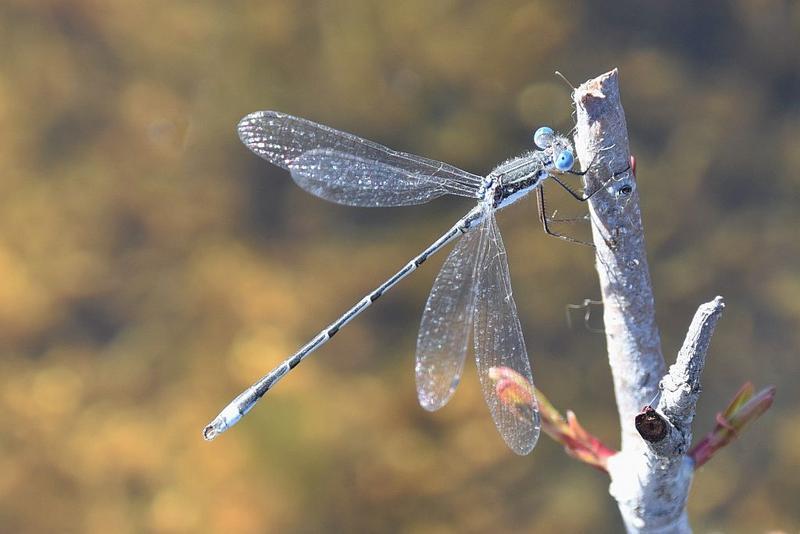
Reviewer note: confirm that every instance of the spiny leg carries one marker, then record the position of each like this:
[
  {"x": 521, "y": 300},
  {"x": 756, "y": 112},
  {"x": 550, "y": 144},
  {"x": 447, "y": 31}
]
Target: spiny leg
[
  {"x": 560, "y": 220},
  {"x": 546, "y": 222},
  {"x": 586, "y": 196},
  {"x": 587, "y": 307},
  {"x": 581, "y": 198}
]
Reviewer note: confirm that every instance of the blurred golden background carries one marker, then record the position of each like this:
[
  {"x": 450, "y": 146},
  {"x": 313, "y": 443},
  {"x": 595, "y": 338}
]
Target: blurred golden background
[{"x": 151, "y": 266}]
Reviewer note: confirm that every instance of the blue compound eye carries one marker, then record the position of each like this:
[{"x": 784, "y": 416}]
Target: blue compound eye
[
  {"x": 564, "y": 161},
  {"x": 543, "y": 137}
]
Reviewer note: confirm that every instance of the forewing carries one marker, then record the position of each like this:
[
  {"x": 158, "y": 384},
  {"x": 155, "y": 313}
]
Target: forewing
[
  {"x": 500, "y": 348},
  {"x": 446, "y": 325},
  {"x": 347, "y": 169}
]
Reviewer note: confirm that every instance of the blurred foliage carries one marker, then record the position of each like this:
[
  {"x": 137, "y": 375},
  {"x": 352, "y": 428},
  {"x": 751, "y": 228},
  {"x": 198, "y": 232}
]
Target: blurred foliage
[{"x": 151, "y": 267}]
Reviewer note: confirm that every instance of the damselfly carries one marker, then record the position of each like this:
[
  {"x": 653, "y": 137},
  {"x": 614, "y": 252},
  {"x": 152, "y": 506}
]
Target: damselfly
[{"x": 472, "y": 292}]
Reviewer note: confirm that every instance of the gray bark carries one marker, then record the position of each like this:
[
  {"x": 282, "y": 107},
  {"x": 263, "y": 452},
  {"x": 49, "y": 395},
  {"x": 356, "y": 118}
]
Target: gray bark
[{"x": 650, "y": 481}]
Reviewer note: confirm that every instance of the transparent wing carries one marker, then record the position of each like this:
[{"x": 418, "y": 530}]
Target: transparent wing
[
  {"x": 346, "y": 169},
  {"x": 503, "y": 366},
  {"x": 446, "y": 325}
]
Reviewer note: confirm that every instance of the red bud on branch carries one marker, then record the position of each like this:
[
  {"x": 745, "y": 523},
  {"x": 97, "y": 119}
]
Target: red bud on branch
[
  {"x": 513, "y": 389},
  {"x": 741, "y": 411}
]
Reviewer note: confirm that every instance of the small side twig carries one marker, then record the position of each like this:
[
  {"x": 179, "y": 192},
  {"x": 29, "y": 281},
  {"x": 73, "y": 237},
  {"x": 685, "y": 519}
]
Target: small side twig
[{"x": 681, "y": 385}]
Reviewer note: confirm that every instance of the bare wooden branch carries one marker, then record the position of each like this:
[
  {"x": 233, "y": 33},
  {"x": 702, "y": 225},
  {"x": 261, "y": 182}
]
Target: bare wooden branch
[
  {"x": 634, "y": 345},
  {"x": 650, "y": 479}
]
